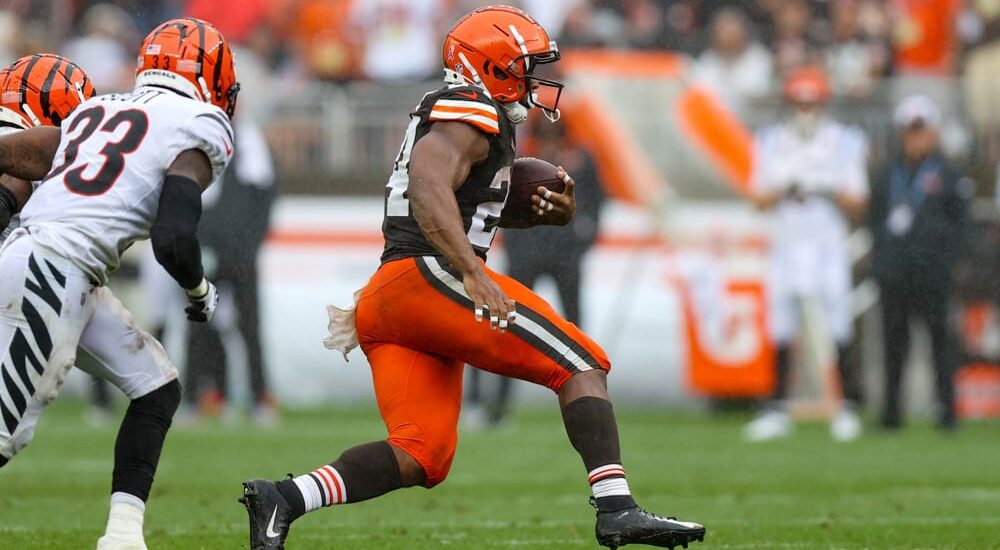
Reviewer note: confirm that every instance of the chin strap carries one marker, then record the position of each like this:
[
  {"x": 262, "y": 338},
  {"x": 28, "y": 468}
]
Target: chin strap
[{"x": 516, "y": 113}]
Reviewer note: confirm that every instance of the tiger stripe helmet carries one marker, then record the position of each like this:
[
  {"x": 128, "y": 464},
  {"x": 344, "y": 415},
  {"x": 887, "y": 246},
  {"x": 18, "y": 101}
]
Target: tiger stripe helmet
[
  {"x": 42, "y": 90},
  {"x": 192, "y": 58},
  {"x": 498, "y": 47}
]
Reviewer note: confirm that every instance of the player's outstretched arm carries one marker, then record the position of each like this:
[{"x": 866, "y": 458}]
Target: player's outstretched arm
[
  {"x": 174, "y": 234},
  {"x": 439, "y": 164},
  {"x": 28, "y": 154}
]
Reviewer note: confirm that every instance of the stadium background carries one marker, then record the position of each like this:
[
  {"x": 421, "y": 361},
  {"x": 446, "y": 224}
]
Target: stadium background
[
  {"x": 330, "y": 83},
  {"x": 675, "y": 158}
]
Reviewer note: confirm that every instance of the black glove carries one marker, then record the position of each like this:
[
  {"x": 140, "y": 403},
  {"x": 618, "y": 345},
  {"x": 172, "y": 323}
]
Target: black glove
[{"x": 201, "y": 302}]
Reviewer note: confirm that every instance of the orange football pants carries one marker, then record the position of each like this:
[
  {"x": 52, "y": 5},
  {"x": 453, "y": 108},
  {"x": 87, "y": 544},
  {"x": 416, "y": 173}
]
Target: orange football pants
[{"x": 418, "y": 329}]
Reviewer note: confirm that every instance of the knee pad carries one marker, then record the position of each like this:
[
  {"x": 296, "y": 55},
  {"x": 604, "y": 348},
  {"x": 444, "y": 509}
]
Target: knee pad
[{"x": 160, "y": 403}]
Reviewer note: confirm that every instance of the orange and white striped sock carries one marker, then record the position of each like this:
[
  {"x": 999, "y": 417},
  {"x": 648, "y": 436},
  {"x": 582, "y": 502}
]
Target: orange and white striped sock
[
  {"x": 608, "y": 481},
  {"x": 321, "y": 487}
]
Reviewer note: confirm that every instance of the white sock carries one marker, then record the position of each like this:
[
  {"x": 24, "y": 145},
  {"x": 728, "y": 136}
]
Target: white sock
[
  {"x": 608, "y": 481},
  {"x": 125, "y": 517}
]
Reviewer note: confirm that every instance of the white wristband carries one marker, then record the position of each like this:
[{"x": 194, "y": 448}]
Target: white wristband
[{"x": 199, "y": 291}]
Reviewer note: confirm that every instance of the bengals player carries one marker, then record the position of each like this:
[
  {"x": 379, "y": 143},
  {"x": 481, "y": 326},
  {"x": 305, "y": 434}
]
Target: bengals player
[
  {"x": 36, "y": 90},
  {"x": 434, "y": 306},
  {"x": 127, "y": 167}
]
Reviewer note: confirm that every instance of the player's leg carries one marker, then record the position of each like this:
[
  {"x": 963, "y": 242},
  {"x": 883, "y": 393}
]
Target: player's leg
[
  {"x": 773, "y": 421},
  {"x": 846, "y": 424},
  {"x": 419, "y": 396},
  {"x": 136, "y": 363},
  {"x": 44, "y": 308},
  {"x": 540, "y": 347}
]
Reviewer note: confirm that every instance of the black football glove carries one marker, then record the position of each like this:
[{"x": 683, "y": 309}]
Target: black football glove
[{"x": 202, "y": 301}]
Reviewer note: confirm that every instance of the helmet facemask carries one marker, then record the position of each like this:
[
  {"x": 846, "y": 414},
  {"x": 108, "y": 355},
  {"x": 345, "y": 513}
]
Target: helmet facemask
[{"x": 534, "y": 84}]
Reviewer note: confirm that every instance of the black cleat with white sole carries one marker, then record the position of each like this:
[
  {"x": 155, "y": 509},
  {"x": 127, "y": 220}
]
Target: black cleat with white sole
[
  {"x": 637, "y": 526},
  {"x": 269, "y": 514}
]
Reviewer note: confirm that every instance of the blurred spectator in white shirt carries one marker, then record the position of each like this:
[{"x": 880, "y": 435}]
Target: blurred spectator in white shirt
[
  {"x": 100, "y": 50},
  {"x": 734, "y": 67},
  {"x": 855, "y": 59},
  {"x": 401, "y": 38}
]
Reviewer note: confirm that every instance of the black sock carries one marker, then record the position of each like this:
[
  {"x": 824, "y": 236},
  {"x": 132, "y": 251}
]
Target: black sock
[
  {"x": 140, "y": 440},
  {"x": 590, "y": 425},
  {"x": 297, "y": 506},
  {"x": 360, "y": 473},
  {"x": 3, "y": 461}
]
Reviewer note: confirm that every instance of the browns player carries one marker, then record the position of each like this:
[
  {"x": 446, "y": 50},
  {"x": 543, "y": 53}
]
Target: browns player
[
  {"x": 129, "y": 166},
  {"x": 433, "y": 305}
]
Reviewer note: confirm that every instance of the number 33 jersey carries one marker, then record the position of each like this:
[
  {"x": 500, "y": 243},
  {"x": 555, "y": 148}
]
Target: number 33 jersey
[
  {"x": 103, "y": 191},
  {"x": 481, "y": 197}
]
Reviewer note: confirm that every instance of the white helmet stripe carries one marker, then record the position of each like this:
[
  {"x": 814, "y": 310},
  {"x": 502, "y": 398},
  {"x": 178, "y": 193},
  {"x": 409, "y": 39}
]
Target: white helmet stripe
[
  {"x": 523, "y": 45},
  {"x": 475, "y": 74}
]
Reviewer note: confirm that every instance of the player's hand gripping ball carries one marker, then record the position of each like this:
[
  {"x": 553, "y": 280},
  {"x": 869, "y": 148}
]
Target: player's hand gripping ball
[{"x": 540, "y": 193}]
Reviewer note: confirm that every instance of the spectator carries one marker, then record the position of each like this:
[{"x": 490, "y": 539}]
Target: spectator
[
  {"x": 736, "y": 68},
  {"x": 557, "y": 252},
  {"x": 810, "y": 171},
  {"x": 926, "y": 45},
  {"x": 9, "y": 37},
  {"x": 856, "y": 60},
  {"x": 918, "y": 219},
  {"x": 323, "y": 41},
  {"x": 399, "y": 38},
  {"x": 100, "y": 49},
  {"x": 792, "y": 45}
]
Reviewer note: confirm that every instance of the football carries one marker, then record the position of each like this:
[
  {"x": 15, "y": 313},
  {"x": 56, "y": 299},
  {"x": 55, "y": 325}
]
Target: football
[{"x": 526, "y": 175}]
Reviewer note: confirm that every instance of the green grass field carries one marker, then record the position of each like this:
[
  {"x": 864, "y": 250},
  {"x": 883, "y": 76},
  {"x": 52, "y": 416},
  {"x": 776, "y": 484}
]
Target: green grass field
[{"x": 523, "y": 487}]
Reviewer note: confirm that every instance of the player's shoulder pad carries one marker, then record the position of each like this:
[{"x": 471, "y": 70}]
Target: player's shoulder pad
[
  {"x": 210, "y": 130},
  {"x": 467, "y": 104}
]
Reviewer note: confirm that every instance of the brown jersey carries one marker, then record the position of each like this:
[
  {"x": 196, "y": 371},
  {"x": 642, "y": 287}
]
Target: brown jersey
[{"x": 481, "y": 197}]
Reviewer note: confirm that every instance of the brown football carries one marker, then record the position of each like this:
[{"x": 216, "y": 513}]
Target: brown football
[{"x": 526, "y": 175}]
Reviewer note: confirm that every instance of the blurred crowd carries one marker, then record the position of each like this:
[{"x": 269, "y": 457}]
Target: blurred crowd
[
  {"x": 860, "y": 41},
  {"x": 742, "y": 50}
]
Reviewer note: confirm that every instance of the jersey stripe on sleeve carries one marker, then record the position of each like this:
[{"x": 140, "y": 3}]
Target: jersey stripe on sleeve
[{"x": 480, "y": 115}]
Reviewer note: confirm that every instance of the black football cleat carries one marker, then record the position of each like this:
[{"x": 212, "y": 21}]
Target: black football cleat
[
  {"x": 269, "y": 514},
  {"x": 637, "y": 526}
]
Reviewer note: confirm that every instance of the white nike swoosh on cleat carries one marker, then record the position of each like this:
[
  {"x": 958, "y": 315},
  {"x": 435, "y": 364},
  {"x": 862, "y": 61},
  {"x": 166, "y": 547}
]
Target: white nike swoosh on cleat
[{"x": 270, "y": 525}]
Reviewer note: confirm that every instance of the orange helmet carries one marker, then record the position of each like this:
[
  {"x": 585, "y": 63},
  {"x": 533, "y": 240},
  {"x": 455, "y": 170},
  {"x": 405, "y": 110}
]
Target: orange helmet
[
  {"x": 42, "y": 90},
  {"x": 498, "y": 47},
  {"x": 807, "y": 85},
  {"x": 190, "y": 57}
]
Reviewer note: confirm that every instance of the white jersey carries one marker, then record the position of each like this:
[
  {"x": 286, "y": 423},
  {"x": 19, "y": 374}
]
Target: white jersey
[
  {"x": 809, "y": 250},
  {"x": 103, "y": 192},
  {"x": 811, "y": 232}
]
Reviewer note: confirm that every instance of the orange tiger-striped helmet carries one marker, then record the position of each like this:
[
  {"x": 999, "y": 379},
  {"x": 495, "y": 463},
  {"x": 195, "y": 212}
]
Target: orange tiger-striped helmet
[
  {"x": 190, "y": 57},
  {"x": 498, "y": 47},
  {"x": 42, "y": 90}
]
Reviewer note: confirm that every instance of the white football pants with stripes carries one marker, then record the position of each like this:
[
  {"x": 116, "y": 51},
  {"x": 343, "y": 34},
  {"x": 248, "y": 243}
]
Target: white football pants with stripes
[{"x": 47, "y": 308}]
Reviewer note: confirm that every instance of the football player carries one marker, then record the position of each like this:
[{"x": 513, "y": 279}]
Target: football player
[
  {"x": 433, "y": 305},
  {"x": 810, "y": 174},
  {"x": 121, "y": 168},
  {"x": 36, "y": 90}
]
